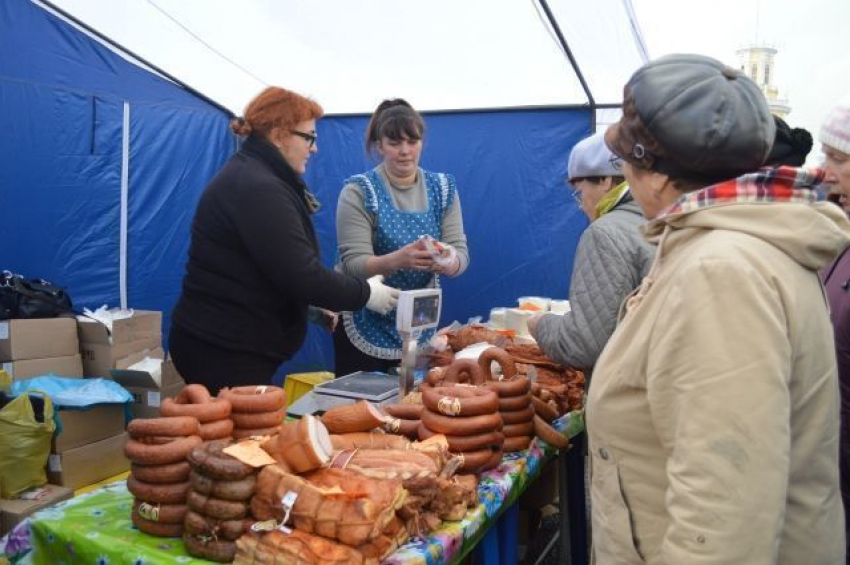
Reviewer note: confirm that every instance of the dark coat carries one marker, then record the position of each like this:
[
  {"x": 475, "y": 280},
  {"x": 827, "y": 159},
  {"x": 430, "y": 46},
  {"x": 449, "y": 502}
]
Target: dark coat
[
  {"x": 836, "y": 280},
  {"x": 254, "y": 263}
]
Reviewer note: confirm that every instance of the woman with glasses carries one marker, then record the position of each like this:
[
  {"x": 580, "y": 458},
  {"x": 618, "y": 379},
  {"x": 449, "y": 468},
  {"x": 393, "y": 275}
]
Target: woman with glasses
[
  {"x": 381, "y": 217},
  {"x": 254, "y": 277},
  {"x": 611, "y": 259}
]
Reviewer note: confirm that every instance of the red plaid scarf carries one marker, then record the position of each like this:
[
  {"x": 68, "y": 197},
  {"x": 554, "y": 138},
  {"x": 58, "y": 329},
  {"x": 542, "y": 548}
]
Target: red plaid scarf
[{"x": 782, "y": 184}]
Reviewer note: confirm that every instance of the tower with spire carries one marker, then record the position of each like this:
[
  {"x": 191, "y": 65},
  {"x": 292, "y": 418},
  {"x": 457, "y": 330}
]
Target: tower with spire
[{"x": 757, "y": 62}]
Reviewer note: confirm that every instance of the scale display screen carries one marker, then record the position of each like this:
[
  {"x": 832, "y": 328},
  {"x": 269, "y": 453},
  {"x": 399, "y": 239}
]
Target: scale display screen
[{"x": 418, "y": 310}]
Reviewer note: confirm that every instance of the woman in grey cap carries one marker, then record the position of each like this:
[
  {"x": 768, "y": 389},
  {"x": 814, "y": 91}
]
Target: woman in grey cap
[
  {"x": 611, "y": 259},
  {"x": 713, "y": 410}
]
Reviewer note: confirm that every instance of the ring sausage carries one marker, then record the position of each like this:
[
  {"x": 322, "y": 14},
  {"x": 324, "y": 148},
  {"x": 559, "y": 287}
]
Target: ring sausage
[
  {"x": 221, "y": 551},
  {"x": 494, "y": 462},
  {"x": 211, "y": 460},
  {"x": 460, "y": 401},
  {"x": 162, "y": 513},
  {"x": 514, "y": 387},
  {"x": 216, "y": 507},
  {"x": 474, "y": 461},
  {"x": 509, "y": 403},
  {"x": 404, "y": 411},
  {"x": 218, "y": 529},
  {"x": 461, "y": 444},
  {"x": 219, "y": 429},
  {"x": 518, "y": 416},
  {"x": 162, "y": 474},
  {"x": 158, "y": 529},
  {"x": 193, "y": 394},
  {"x": 544, "y": 409},
  {"x": 500, "y": 356},
  {"x": 161, "y": 493},
  {"x": 239, "y": 433},
  {"x": 254, "y": 399},
  {"x": 464, "y": 426},
  {"x": 254, "y": 420},
  {"x": 517, "y": 430},
  {"x": 518, "y": 443},
  {"x": 238, "y": 489},
  {"x": 406, "y": 428},
  {"x": 217, "y": 409},
  {"x": 171, "y": 452},
  {"x": 461, "y": 370},
  {"x": 178, "y": 426},
  {"x": 549, "y": 434}
]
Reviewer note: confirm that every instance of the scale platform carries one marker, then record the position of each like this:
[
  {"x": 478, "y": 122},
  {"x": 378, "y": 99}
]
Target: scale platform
[{"x": 378, "y": 388}]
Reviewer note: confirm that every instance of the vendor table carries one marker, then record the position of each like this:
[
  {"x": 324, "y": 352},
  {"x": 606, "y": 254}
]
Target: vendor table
[{"x": 96, "y": 528}]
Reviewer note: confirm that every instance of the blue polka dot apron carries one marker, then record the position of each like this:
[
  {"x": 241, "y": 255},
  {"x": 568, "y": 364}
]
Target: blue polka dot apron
[{"x": 372, "y": 333}]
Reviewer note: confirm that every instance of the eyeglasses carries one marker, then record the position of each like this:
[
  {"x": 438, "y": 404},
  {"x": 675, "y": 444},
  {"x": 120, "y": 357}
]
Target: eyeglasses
[
  {"x": 576, "y": 194},
  {"x": 615, "y": 162},
  {"x": 309, "y": 137}
]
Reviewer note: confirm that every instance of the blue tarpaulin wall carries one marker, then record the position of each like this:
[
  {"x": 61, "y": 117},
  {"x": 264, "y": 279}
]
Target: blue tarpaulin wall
[{"x": 63, "y": 96}]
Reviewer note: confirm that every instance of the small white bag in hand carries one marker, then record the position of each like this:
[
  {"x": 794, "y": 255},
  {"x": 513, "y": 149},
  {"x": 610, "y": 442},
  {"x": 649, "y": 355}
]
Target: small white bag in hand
[{"x": 382, "y": 298}]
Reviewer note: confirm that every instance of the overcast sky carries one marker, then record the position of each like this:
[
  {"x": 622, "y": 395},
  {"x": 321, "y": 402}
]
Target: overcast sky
[
  {"x": 812, "y": 37},
  {"x": 469, "y": 53}
]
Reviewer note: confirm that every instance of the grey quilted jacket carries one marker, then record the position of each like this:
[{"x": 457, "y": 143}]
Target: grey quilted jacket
[{"x": 611, "y": 260}]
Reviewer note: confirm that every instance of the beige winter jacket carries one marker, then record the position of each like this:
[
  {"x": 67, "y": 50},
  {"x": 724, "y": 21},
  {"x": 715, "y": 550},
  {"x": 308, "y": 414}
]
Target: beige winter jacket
[{"x": 713, "y": 410}]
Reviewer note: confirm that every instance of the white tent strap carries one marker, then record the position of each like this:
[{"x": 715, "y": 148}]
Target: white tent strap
[{"x": 125, "y": 189}]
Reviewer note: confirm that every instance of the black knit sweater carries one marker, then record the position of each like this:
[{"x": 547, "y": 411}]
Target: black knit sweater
[{"x": 254, "y": 262}]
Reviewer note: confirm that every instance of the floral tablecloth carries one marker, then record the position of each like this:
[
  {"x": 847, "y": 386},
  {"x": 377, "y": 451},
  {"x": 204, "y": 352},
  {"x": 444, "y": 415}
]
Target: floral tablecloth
[{"x": 95, "y": 528}]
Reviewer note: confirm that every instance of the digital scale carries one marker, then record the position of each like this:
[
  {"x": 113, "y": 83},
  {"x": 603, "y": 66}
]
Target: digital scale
[{"x": 417, "y": 310}]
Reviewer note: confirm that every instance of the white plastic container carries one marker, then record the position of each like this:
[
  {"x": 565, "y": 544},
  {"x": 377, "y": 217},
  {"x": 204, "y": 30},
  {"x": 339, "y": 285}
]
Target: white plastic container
[
  {"x": 540, "y": 302},
  {"x": 559, "y": 306},
  {"x": 517, "y": 320},
  {"x": 497, "y": 318}
]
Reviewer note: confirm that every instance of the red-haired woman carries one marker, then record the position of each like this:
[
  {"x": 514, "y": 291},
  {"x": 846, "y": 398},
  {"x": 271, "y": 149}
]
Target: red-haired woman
[{"x": 254, "y": 277}]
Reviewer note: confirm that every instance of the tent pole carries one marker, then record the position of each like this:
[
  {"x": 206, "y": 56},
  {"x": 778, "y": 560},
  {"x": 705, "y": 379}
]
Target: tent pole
[
  {"x": 590, "y": 100},
  {"x": 125, "y": 203}
]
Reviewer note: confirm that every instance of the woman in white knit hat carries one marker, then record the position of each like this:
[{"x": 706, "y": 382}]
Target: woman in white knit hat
[{"x": 835, "y": 137}]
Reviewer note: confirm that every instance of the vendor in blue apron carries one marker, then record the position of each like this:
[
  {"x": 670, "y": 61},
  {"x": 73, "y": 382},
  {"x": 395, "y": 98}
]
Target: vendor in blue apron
[{"x": 384, "y": 219}]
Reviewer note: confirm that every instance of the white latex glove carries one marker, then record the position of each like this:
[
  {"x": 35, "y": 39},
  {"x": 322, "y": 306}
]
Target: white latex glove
[{"x": 382, "y": 298}]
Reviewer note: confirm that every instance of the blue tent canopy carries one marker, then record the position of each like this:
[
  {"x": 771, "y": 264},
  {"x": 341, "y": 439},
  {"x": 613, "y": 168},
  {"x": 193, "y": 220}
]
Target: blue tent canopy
[{"x": 105, "y": 159}]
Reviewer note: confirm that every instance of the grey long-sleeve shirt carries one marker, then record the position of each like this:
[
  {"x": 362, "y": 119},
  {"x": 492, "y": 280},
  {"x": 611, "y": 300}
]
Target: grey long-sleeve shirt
[{"x": 355, "y": 226}]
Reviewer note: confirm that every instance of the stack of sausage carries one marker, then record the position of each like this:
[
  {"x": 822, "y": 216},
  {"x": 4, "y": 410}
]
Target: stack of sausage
[
  {"x": 467, "y": 415},
  {"x": 405, "y": 418},
  {"x": 159, "y": 476},
  {"x": 257, "y": 410},
  {"x": 514, "y": 398},
  {"x": 195, "y": 401},
  {"x": 219, "y": 501}
]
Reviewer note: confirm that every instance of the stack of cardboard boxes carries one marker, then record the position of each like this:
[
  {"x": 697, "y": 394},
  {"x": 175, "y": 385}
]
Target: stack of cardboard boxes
[
  {"x": 103, "y": 350},
  {"x": 30, "y": 348},
  {"x": 90, "y": 446}
]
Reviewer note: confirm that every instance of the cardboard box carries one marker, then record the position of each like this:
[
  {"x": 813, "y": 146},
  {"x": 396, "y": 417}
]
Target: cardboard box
[
  {"x": 14, "y": 510},
  {"x": 69, "y": 366},
  {"x": 100, "y": 358},
  {"x": 37, "y": 339},
  {"x": 147, "y": 394},
  {"x": 142, "y": 325},
  {"x": 88, "y": 463},
  {"x": 81, "y": 427}
]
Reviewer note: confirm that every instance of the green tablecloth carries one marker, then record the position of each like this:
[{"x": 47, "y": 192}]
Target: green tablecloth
[{"x": 95, "y": 528}]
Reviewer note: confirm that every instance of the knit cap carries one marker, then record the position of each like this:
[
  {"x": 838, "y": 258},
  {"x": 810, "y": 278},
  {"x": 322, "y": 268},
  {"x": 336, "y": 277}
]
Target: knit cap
[{"x": 835, "y": 131}]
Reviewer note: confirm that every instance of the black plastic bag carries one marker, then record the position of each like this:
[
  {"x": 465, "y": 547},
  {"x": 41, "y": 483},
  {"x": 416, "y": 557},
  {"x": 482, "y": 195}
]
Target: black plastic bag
[{"x": 31, "y": 298}]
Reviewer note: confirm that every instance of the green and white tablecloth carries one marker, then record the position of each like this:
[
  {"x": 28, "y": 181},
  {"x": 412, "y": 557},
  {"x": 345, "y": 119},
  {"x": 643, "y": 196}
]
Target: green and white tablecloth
[{"x": 95, "y": 528}]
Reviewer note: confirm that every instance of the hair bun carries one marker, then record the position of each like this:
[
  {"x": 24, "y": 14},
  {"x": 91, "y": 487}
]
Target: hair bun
[{"x": 802, "y": 140}]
